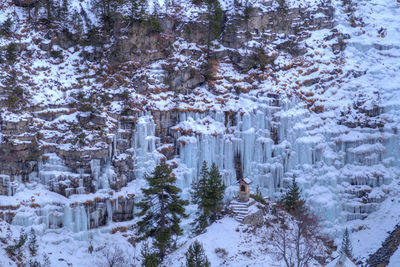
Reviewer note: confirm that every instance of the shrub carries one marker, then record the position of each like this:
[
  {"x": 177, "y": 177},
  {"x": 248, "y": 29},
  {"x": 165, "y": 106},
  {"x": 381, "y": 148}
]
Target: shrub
[
  {"x": 87, "y": 107},
  {"x": 259, "y": 199},
  {"x": 153, "y": 23},
  {"x": 92, "y": 38},
  {"x": 259, "y": 59},
  {"x": 11, "y": 53},
  {"x": 16, "y": 249},
  {"x": 5, "y": 28},
  {"x": 283, "y": 6},
  {"x": 12, "y": 101},
  {"x": 56, "y": 54},
  {"x": 197, "y": 2},
  {"x": 221, "y": 252},
  {"x": 32, "y": 243},
  {"x": 150, "y": 258}
]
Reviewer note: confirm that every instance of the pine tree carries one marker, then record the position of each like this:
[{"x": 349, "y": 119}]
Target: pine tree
[
  {"x": 207, "y": 193},
  {"x": 196, "y": 257},
  {"x": 292, "y": 200},
  {"x": 107, "y": 9},
  {"x": 161, "y": 208},
  {"x": 215, "y": 15},
  {"x": 199, "y": 194},
  {"x": 347, "y": 248},
  {"x": 216, "y": 190},
  {"x": 63, "y": 15},
  {"x": 32, "y": 244},
  {"x": 17, "y": 249},
  {"x": 150, "y": 258},
  {"x": 199, "y": 186},
  {"x": 137, "y": 9}
]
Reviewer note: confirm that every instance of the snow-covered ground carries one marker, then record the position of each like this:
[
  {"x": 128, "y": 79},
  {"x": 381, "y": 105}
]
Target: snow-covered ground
[
  {"x": 395, "y": 259},
  {"x": 243, "y": 249}
]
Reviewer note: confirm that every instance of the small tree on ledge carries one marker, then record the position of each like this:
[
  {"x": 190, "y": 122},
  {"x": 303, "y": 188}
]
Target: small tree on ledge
[
  {"x": 346, "y": 245},
  {"x": 291, "y": 199},
  {"x": 196, "y": 257}
]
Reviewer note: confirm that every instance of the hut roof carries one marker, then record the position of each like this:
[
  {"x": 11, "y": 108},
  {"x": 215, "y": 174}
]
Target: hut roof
[{"x": 246, "y": 180}]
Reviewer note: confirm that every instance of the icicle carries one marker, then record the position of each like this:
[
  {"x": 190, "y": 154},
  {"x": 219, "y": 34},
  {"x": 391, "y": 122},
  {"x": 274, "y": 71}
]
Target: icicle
[
  {"x": 109, "y": 211},
  {"x": 95, "y": 169},
  {"x": 68, "y": 218}
]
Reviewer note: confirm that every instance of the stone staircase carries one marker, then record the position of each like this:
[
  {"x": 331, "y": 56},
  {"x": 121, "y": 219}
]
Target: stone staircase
[{"x": 240, "y": 209}]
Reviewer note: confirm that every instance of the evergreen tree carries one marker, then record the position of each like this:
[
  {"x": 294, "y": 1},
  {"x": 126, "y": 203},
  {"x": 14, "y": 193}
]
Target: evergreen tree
[
  {"x": 49, "y": 6},
  {"x": 161, "y": 208},
  {"x": 196, "y": 257},
  {"x": 199, "y": 197},
  {"x": 347, "y": 248},
  {"x": 137, "y": 9},
  {"x": 46, "y": 261},
  {"x": 34, "y": 263},
  {"x": 17, "y": 249},
  {"x": 6, "y": 27},
  {"x": 215, "y": 15},
  {"x": 199, "y": 187},
  {"x": 107, "y": 9},
  {"x": 63, "y": 13},
  {"x": 32, "y": 244},
  {"x": 150, "y": 258},
  {"x": 291, "y": 199},
  {"x": 216, "y": 190},
  {"x": 207, "y": 193}
]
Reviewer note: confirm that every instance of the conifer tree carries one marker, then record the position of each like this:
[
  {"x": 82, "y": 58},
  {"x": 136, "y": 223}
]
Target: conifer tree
[
  {"x": 292, "y": 200},
  {"x": 207, "y": 193},
  {"x": 216, "y": 190},
  {"x": 215, "y": 15},
  {"x": 199, "y": 195},
  {"x": 199, "y": 187},
  {"x": 63, "y": 13},
  {"x": 347, "y": 248},
  {"x": 196, "y": 257},
  {"x": 32, "y": 244},
  {"x": 161, "y": 208},
  {"x": 137, "y": 9},
  {"x": 150, "y": 258}
]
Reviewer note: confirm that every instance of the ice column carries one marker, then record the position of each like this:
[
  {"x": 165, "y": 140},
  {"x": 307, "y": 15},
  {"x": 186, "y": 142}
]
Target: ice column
[{"x": 146, "y": 156}]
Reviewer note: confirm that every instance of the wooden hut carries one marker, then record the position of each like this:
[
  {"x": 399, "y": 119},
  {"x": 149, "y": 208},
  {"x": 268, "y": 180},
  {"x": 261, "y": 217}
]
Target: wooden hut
[{"x": 244, "y": 189}]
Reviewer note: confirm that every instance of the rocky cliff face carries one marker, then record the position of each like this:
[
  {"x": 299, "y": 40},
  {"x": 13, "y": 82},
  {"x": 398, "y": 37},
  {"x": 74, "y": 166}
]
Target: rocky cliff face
[
  {"x": 63, "y": 128},
  {"x": 274, "y": 95}
]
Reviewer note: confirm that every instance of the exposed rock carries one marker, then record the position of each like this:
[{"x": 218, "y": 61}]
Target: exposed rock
[
  {"x": 25, "y": 3},
  {"x": 254, "y": 219},
  {"x": 382, "y": 256}
]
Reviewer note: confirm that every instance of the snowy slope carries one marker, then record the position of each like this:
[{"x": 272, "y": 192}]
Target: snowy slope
[{"x": 242, "y": 248}]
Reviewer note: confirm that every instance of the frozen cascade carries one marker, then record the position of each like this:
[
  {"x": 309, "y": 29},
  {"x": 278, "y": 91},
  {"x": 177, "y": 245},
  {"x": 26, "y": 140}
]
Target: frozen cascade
[
  {"x": 146, "y": 156},
  {"x": 57, "y": 177},
  {"x": 324, "y": 160},
  {"x": 249, "y": 139},
  {"x": 11, "y": 187}
]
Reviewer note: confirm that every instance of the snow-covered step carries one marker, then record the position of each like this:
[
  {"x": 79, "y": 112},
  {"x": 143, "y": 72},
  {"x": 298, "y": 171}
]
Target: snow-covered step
[{"x": 241, "y": 209}]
